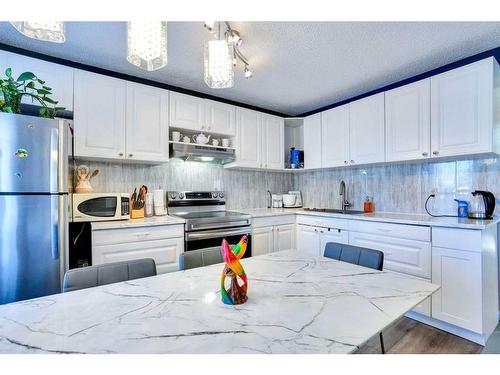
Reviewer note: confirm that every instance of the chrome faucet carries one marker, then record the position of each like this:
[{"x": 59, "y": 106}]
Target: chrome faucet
[
  {"x": 342, "y": 193},
  {"x": 269, "y": 199}
]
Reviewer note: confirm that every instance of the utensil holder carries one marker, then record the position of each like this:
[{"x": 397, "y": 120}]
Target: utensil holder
[{"x": 136, "y": 213}]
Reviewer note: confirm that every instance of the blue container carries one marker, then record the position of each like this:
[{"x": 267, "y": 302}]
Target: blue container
[
  {"x": 294, "y": 156},
  {"x": 463, "y": 208}
]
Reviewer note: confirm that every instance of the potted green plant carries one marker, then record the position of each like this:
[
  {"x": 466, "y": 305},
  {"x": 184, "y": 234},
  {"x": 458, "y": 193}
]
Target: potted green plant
[{"x": 27, "y": 84}]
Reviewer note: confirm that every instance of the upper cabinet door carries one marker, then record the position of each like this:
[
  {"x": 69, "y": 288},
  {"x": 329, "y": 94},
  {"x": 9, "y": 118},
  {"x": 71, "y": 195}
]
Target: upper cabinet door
[
  {"x": 273, "y": 133},
  {"x": 58, "y": 77},
  {"x": 249, "y": 139},
  {"x": 187, "y": 112},
  {"x": 461, "y": 110},
  {"x": 408, "y": 121},
  {"x": 312, "y": 141},
  {"x": 220, "y": 118},
  {"x": 147, "y": 123},
  {"x": 99, "y": 116},
  {"x": 366, "y": 130},
  {"x": 335, "y": 137}
]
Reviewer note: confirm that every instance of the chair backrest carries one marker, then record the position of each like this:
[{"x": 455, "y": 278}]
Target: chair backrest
[
  {"x": 356, "y": 255},
  {"x": 88, "y": 277},
  {"x": 200, "y": 258}
]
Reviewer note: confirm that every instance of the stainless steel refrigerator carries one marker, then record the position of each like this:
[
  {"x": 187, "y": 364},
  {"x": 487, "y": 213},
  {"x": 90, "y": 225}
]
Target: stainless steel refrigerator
[{"x": 34, "y": 208}]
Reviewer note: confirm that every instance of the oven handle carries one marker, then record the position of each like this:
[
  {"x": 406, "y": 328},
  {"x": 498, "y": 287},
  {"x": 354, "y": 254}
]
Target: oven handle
[
  {"x": 211, "y": 226},
  {"x": 217, "y": 233}
]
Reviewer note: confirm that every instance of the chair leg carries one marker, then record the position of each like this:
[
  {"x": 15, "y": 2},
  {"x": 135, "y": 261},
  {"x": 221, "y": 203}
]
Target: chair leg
[{"x": 382, "y": 347}]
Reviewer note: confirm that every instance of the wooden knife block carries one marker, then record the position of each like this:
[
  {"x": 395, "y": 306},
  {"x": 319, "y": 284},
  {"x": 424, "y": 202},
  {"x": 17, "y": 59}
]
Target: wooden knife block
[{"x": 136, "y": 213}]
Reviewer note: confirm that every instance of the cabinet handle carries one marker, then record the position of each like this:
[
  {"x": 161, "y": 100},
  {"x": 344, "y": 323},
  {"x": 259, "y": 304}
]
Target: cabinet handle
[
  {"x": 425, "y": 153},
  {"x": 142, "y": 235},
  {"x": 345, "y": 162},
  {"x": 385, "y": 230},
  {"x": 321, "y": 231},
  {"x": 202, "y": 127},
  {"x": 130, "y": 155},
  {"x": 120, "y": 154},
  {"x": 435, "y": 152},
  {"x": 208, "y": 127},
  {"x": 352, "y": 161},
  {"x": 277, "y": 229},
  {"x": 265, "y": 165}
]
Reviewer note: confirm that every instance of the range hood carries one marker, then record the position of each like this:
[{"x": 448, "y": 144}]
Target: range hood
[{"x": 201, "y": 153}]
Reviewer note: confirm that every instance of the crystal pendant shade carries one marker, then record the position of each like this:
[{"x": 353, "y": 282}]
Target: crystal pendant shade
[
  {"x": 147, "y": 44},
  {"x": 47, "y": 31},
  {"x": 219, "y": 64}
]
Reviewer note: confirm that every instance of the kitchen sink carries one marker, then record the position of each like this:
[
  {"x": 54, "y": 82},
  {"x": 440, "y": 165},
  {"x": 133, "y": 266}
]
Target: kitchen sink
[{"x": 335, "y": 211}]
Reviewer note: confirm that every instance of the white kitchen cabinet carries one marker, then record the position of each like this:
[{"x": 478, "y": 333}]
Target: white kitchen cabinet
[
  {"x": 147, "y": 123},
  {"x": 312, "y": 141},
  {"x": 163, "y": 243},
  {"x": 262, "y": 240},
  {"x": 248, "y": 138},
  {"x": 462, "y": 109},
  {"x": 400, "y": 254},
  {"x": 332, "y": 235},
  {"x": 367, "y": 130},
  {"x": 284, "y": 237},
  {"x": 408, "y": 122},
  {"x": 187, "y": 112},
  {"x": 220, "y": 118},
  {"x": 335, "y": 137},
  {"x": 273, "y": 142},
  {"x": 58, "y": 77},
  {"x": 459, "y": 301},
  {"x": 99, "y": 116}
]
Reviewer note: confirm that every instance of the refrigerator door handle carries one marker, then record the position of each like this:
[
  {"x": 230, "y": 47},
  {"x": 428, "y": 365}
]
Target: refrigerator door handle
[
  {"x": 63, "y": 234},
  {"x": 54, "y": 213},
  {"x": 62, "y": 156}
]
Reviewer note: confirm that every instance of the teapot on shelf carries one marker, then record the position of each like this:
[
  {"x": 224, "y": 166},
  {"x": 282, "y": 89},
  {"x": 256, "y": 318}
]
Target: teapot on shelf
[{"x": 201, "y": 139}]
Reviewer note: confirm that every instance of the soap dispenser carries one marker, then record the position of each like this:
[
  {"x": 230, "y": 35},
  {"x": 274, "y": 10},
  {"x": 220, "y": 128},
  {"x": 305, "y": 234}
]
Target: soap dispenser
[{"x": 463, "y": 208}]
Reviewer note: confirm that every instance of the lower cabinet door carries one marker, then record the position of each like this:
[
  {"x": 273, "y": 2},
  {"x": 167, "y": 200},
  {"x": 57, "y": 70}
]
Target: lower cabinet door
[
  {"x": 401, "y": 255},
  {"x": 308, "y": 239},
  {"x": 284, "y": 237},
  {"x": 164, "y": 252},
  {"x": 332, "y": 235},
  {"x": 459, "y": 301},
  {"x": 262, "y": 240}
]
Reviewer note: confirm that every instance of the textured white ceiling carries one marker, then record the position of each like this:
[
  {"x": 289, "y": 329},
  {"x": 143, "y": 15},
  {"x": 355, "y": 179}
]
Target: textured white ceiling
[{"x": 298, "y": 66}]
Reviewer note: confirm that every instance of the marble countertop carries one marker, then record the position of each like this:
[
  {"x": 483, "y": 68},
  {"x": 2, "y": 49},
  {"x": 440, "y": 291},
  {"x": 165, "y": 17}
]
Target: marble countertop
[
  {"x": 146, "y": 222},
  {"x": 297, "y": 304},
  {"x": 388, "y": 217}
]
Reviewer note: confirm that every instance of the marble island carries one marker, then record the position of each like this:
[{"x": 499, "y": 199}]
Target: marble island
[{"x": 297, "y": 304}]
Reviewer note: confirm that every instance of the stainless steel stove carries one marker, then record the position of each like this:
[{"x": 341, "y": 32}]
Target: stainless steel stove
[{"x": 207, "y": 220}]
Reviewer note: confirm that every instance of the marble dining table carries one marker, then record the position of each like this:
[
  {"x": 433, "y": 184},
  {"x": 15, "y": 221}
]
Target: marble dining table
[{"x": 297, "y": 303}]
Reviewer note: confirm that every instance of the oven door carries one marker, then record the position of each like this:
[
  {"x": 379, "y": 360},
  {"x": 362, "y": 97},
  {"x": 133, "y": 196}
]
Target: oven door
[
  {"x": 209, "y": 239},
  {"x": 97, "y": 208}
]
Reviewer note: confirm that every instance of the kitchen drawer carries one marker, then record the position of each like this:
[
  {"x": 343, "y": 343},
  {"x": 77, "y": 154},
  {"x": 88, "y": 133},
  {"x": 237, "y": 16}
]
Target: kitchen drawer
[
  {"x": 411, "y": 232},
  {"x": 135, "y": 234},
  {"x": 164, "y": 252},
  {"x": 273, "y": 220},
  {"x": 401, "y": 255},
  {"x": 461, "y": 239},
  {"x": 325, "y": 222}
]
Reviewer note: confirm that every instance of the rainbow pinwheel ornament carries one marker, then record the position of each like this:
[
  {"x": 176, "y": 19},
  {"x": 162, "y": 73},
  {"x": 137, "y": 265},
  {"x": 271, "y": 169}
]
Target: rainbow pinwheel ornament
[{"x": 236, "y": 294}]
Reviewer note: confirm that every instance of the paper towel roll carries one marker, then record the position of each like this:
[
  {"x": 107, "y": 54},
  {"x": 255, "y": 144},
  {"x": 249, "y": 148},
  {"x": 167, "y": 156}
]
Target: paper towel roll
[{"x": 159, "y": 202}]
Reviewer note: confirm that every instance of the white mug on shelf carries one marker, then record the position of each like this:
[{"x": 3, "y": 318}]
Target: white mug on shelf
[
  {"x": 215, "y": 142},
  {"x": 225, "y": 142},
  {"x": 186, "y": 139},
  {"x": 176, "y": 136}
]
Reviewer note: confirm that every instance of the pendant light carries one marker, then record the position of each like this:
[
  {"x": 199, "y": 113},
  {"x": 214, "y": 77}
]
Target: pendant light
[
  {"x": 46, "y": 31},
  {"x": 219, "y": 63},
  {"x": 147, "y": 44}
]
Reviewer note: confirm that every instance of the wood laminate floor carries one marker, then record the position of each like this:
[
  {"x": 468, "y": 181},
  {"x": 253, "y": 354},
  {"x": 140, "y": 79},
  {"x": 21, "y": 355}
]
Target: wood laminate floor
[{"x": 411, "y": 337}]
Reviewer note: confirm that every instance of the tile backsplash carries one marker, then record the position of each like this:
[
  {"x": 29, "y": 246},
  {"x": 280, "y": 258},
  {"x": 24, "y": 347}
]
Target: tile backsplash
[
  {"x": 244, "y": 189},
  {"x": 402, "y": 187},
  {"x": 394, "y": 187}
]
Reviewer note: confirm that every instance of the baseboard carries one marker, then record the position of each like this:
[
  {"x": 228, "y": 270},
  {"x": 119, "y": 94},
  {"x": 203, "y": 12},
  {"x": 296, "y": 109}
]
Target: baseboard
[{"x": 450, "y": 328}]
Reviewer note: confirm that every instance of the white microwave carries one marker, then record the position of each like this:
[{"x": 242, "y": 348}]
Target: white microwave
[{"x": 101, "y": 206}]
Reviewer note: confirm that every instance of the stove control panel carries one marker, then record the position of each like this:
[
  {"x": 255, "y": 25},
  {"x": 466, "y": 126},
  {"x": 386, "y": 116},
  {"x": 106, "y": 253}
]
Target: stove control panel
[{"x": 195, "y": 195}]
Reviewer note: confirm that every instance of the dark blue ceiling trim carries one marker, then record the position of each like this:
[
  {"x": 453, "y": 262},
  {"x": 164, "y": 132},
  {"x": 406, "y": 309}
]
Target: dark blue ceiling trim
[
  {"x": 492, "y": 52},
  {"x": 127, "y": 77}
]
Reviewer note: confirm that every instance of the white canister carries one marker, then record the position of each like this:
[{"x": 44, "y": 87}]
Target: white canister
[
  {"x": 148, "y": 208},
  {"x": 159, "y": 202},
  {"x": 176, "y": 136},
  {"x": 225, "y": 142}
]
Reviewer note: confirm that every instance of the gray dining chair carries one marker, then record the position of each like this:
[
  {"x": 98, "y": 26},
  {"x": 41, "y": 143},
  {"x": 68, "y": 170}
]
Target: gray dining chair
[
  {"x": 361, "y": 256},
  {"x": 200, "y": 258},
  {"x": 89, "y": 277}
]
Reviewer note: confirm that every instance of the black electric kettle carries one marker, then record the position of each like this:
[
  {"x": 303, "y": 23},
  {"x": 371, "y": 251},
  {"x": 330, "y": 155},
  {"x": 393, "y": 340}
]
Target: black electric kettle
[{"x": 482, "y": 208}]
